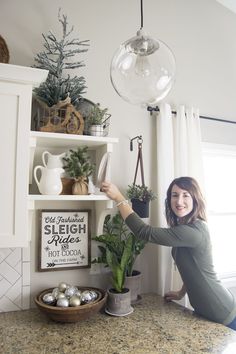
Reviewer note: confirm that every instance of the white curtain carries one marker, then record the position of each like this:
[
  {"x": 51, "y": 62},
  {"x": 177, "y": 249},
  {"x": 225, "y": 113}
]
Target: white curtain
[{"x": 178, "y": 148}]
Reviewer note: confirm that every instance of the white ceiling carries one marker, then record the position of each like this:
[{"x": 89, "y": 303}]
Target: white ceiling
[{"x": 230, "y": 4}]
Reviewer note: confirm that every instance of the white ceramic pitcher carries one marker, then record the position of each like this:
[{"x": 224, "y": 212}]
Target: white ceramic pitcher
[
  {"x": 52, "y": 161},
  {"x": 50, "y": 181}
]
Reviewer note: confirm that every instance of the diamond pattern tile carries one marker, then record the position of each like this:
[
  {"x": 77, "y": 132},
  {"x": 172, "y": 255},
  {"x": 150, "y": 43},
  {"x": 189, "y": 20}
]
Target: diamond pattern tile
[{"x": 14, "y": 279}]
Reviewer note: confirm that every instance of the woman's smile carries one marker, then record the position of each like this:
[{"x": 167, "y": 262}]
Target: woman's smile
[{"x": 181, "y": 201}]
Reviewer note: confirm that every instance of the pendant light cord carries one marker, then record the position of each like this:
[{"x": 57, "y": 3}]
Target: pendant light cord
[{"x": 141, "y": 4}]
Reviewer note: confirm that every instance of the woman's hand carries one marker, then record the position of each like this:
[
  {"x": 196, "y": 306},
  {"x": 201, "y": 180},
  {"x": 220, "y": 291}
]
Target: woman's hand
[
  {"x": 112, "y": 191},
  {"x": 175, "y": 295}
]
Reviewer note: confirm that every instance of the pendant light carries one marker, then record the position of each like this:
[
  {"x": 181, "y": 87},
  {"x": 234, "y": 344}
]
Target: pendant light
[{"x": 143, "y": 69}]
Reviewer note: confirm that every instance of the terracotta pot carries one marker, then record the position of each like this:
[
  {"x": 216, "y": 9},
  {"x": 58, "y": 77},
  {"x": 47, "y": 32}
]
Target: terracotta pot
[
  {"x": 119, "y": 304},
  {"x": 80, "y": 186},
  {"x": 67, "y": 184}
]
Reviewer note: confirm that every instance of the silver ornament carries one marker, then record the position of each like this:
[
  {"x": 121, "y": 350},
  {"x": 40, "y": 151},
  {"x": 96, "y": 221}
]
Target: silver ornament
[
  {"x": 86, "y": 297},
  {"x": 55, "y": 292},
  {"x": 49, "y": 299},
  {"x": 74, "y": 301},
  {"x": 70, "y": 291},
  {"x": 62, "y": 286},
  {"x": 93, "y": 294},
  {"x": 78, "y": 293},
  {"x": 60, "y": 296},
  {"x": 63, "y": 302}
]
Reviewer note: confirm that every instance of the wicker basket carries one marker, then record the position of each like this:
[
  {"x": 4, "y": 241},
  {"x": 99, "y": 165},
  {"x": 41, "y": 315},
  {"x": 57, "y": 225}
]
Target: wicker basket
[{"x": 57, "y": 119}]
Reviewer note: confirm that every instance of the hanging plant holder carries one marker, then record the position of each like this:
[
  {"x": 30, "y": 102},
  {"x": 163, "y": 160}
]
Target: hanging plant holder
[{"x": 140, "y": 205}]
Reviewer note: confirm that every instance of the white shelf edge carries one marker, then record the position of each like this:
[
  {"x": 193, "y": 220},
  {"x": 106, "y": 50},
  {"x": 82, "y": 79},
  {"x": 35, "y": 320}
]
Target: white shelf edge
[
  {"x": 63, "y": 197},
  {"x": 22, "y": 74},
  {"x": 42, "y": 139}
]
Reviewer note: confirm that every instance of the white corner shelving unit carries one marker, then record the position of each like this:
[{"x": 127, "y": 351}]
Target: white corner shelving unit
[
  {"x": 60, "y": 143},
  {"x": 16, "y": 84}
]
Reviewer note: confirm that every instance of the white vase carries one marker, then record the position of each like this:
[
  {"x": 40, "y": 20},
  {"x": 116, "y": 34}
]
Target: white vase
[
  {"x": 52, "y": 161},
  {"x": 50, "y": 180}
]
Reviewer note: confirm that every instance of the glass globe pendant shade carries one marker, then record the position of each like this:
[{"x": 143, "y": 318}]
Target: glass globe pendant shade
[{"x": 143, "y": 70}]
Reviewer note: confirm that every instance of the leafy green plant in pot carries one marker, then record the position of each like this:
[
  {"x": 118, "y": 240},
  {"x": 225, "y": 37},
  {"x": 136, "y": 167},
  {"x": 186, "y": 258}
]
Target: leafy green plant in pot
[
  {"x": 140, "y": 196},
  {"x": 119, "y": 251},
  {"x": 97, "y": 120},
  {"x": 133, "y": 276},
  {"x": 78, "y": 166}
]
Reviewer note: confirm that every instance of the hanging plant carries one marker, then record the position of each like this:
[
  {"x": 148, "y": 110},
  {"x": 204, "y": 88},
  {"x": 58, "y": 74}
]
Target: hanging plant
[
  {"x": 143, "y": 193},
  {"x": 140, "y": 195}
]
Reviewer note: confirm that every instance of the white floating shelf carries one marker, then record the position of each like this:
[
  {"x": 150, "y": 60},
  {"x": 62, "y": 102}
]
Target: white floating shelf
[
  {"x": 63, "y": 197},
  {"x": 42, "y": 139}
]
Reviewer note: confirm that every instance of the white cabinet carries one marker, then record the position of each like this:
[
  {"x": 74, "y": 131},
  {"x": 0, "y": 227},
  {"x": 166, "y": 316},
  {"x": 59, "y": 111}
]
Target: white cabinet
[
  {"x": 19, "y": 147},
  {"x": 16, "y": 83}
]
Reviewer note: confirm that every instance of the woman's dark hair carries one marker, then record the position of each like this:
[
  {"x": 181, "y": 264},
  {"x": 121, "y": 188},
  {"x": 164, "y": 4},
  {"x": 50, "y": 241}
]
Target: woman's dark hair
[{"x": 189, "y": 184}]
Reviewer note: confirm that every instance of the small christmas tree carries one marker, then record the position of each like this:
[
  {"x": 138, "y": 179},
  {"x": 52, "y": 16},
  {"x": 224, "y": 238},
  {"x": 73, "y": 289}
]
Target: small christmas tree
[{"x": 56, "y": 58}]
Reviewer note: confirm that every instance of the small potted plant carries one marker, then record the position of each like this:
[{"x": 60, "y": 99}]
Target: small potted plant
[
  {"x": 140, "y": 196},
  {"x": 119, "y": 251},
  {"x": 77, "y": 164},
  {"x": 97, "y": 120}
]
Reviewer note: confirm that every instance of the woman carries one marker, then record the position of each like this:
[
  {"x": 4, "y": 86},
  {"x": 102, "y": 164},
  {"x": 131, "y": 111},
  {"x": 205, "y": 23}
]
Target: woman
[{"x": 189, "y": 238}]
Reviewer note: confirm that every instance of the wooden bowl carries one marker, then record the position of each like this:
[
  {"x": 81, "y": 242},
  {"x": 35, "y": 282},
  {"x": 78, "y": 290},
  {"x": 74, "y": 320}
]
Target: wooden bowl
[{"x": 72, "y": 314}]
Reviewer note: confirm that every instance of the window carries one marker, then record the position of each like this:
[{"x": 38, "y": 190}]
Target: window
[{"x": 220, "y": 193}]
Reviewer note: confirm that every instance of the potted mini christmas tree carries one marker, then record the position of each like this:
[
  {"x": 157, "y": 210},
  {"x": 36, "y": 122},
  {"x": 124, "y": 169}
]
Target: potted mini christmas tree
[
  {"x": 77, "y": 164},
  {"x": 60, "y": 93}
]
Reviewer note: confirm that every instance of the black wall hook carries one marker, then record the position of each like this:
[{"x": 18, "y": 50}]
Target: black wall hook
[{"x": 140, "y": 141}]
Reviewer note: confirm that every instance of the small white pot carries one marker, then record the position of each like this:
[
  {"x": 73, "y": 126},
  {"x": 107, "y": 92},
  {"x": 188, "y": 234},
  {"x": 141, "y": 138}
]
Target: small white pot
[{"x": 96, "y": 130}]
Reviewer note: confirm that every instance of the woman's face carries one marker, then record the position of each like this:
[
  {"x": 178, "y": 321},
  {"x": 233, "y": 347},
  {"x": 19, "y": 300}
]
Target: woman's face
[{"x": 181, "y": 201}]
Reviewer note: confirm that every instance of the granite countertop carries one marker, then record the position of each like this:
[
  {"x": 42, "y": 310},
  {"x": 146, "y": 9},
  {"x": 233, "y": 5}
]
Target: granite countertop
[{"x": 153, "y": 327}]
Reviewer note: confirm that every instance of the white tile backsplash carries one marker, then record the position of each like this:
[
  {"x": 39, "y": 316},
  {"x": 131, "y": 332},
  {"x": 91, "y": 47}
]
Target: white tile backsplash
[
  {"x": 14, "y": 257},
  {"x": 5, "y": 285},
  {"x": 4, "y": 252},
  {"x": 26, "y": 254},
  {"x": 26, "y": 274},
  {"x": 14, "y": 290},
  {"x": 9, "y": 272},
  {"x": 25, "y": 297},
  {"x": 7, "y": 305},
  {"x": 14, "y": 279}
]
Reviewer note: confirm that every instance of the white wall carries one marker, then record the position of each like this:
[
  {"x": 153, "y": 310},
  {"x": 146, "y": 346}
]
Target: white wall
[{"x": 202, "y": 36}]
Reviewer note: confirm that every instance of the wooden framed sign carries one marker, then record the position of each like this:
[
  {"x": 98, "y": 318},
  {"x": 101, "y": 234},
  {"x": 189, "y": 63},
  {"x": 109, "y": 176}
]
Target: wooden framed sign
[{"x": 64, "y": 240}]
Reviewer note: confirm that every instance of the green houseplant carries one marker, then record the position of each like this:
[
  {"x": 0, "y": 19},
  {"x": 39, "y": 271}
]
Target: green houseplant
[
  {"x": 119, "y": 250},
  {"x": 78, "y": 166},
  {"x": 140, "y": 196},
  {"x": 97, "y": 120}
]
